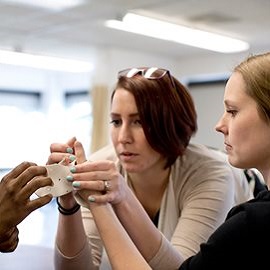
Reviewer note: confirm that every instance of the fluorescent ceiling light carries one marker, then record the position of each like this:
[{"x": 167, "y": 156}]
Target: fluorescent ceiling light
[
  {"x": 44, "y": 62},
  {"x": 56, "y": 5},
  {"x": 177, "y": 33}
]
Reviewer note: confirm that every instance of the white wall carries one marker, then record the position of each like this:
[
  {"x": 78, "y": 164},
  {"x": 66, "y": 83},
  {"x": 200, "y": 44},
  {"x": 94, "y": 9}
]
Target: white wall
[{"x": 209, "y": 106}]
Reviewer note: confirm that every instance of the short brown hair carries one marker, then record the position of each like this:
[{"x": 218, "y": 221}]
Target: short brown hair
[{"x": 166, "y": 111}]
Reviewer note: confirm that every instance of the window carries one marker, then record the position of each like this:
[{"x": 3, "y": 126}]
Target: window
[
  {"x": 79, "y": 111},
  {"x": 26, "y": 134},
  {"x": 20, "y": 119}
]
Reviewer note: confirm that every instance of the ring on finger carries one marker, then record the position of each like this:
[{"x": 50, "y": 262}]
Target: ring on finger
[{"x": 107, "y": 185}]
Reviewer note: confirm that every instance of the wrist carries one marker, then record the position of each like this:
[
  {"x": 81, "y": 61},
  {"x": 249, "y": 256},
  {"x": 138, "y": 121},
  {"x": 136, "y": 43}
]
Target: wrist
[
  {"x": 64, "y": 210},
  {"x": 6, "y": 233},
  {"x": 67, "y": 200}
]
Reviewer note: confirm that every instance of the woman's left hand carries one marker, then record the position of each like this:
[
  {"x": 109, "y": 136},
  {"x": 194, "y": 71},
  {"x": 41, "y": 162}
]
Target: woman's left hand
[{"x": 97, "y": 181}]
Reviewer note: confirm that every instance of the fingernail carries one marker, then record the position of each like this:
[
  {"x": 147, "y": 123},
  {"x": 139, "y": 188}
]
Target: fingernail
[
  {"x": 72, "y": 169},
  {"x": 91, "y": 199},
  {"x": 69, "y": 150},
  {"x": 76, "y": 184},
  {"x": 72, "y": 158},
  {"x": 69, "y": 177}
]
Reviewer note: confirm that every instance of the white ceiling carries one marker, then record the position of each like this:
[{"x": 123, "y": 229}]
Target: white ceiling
[{"x": 73, "y": 32}]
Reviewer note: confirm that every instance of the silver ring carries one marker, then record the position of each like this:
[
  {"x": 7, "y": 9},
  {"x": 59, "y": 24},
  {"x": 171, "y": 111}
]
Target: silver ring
[{"x": 107, "y": 185}]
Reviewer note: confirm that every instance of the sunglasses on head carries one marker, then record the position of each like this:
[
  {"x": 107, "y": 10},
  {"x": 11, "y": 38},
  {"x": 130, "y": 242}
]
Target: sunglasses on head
[{"x": 151, "y": 73}]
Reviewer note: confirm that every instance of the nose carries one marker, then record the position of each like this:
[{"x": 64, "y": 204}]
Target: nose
[
  {"x": 125, "y": 135},
  {"x": 221, "y": 126}
]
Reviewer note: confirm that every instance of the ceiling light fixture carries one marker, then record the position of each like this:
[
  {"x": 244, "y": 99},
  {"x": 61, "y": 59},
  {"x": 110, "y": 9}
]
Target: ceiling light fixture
[
  {"x": 172, "y": 32},
  {"x": 56, "y": 5},
  {"x": 44, "y": 62}
]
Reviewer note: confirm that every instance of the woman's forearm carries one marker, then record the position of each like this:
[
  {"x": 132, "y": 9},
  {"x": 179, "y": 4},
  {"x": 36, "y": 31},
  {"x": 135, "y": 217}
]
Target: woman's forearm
[
  {"x": 139, "y": 226},
  {"x": 122, "y": 252},
  {"x": 154, "y": 247},
  {"x": 70, "y": 237}
]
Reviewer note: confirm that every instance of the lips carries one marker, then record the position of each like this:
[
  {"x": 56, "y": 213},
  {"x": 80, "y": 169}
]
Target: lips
[
  {"x": 227, "y": 146},
  {"x": 127, "y": 156}
]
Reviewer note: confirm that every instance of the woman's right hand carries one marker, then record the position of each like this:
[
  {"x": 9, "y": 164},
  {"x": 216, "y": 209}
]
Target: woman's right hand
[{"x": 63, "y": 153}]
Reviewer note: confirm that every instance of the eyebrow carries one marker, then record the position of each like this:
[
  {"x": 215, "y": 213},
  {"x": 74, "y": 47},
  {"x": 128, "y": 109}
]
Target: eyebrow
[
  {"x": 229, "y": 102},
  {"x": 130, "y": 115}
]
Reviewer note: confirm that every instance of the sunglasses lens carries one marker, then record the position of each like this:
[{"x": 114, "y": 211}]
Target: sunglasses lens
[
  {"x": 132, "y": 72},
  {"x": 129, "y": 73},
  {"x": 152, "y": 73},
  {"x": 155, "y": 73}
]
